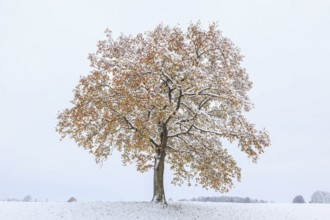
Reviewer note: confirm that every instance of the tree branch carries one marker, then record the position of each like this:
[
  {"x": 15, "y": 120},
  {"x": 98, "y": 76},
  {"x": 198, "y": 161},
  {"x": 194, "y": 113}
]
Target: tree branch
[
  {"x": 203, "y": 102},
  {"x": 179, "y": 101}
]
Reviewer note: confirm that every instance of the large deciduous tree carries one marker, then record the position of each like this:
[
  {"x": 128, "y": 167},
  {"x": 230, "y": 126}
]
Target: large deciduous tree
[{"x": 167, "y": 96}]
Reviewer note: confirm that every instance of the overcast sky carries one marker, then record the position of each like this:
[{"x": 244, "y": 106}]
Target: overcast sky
[{"x": 43, "y": 51}]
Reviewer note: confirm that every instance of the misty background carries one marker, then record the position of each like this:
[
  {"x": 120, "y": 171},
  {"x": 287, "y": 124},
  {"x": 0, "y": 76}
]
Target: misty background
[{"x": 43, "y": 51}]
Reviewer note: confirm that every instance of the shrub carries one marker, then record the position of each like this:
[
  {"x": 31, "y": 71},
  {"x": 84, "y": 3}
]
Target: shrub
[{"x": 298, "y": 199}]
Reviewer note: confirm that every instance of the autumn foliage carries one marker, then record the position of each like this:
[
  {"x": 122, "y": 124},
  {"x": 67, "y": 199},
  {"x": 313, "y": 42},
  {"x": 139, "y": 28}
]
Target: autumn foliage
[{"x": 167, "y": 93}]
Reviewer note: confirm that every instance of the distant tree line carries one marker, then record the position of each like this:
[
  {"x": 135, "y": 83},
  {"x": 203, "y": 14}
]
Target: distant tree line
[
  {"x": 317, "y": 197},
  {"x": 226, "y": 199},
  {"x": 28, "y": 198}
]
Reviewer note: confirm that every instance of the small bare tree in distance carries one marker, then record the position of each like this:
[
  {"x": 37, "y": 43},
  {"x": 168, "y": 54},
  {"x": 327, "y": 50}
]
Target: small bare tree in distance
[{"x": 167, "y": 95}]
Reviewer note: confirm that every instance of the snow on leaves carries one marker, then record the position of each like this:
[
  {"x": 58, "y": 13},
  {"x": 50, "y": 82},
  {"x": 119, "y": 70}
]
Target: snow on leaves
[{"x": 190, "y": 83}]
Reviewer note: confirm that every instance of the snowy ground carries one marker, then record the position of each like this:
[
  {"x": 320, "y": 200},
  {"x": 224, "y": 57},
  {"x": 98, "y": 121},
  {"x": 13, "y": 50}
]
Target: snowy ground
[{"x": 176, "y": 210}]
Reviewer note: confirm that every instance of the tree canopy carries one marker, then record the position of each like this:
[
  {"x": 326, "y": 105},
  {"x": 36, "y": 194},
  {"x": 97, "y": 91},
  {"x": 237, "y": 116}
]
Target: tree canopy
[{"x": 172, "y": 91}]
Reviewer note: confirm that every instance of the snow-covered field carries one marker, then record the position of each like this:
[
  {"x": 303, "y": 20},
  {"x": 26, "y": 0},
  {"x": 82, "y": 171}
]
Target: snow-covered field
[{"x": 146, "y": 210}]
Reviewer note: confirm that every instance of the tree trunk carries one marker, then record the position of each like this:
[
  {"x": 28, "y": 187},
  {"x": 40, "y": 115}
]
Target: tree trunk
[{"x": 159, "y": 193}]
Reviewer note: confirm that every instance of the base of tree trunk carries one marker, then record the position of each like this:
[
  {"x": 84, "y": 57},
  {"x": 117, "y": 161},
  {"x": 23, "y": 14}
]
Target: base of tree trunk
[{"x": 159, "y": 199}]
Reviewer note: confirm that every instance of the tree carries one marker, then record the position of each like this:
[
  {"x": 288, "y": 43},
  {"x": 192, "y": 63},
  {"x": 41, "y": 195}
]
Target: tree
[
  {"x": 320, "y": 197},
  {"x": 27, "y": 198},
  {"x": 248, "y": 200},
  {"x": 298, "y": 199},
  {"x": 72, "y": 199},
  {"x": 167, "y": 95}
]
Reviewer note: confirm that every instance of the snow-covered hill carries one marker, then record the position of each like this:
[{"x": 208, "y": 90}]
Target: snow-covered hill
[{"x": 146, "y": 210}]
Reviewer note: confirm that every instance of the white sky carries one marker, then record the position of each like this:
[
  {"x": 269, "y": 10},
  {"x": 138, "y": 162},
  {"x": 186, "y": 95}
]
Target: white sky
[{"x": 43, "y": 51}]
